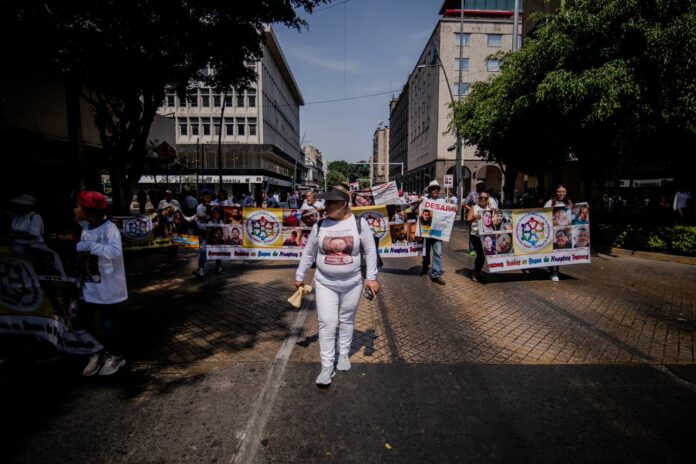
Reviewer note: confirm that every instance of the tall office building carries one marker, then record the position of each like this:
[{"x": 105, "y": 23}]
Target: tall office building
[{"x": 260, "y": 128}]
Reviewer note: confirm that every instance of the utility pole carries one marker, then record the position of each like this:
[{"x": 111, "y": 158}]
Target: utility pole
[
  {"x": 222, "y": 116},
  {"x": 458, "y": 159},
  {"x": 515, "y": 26}
]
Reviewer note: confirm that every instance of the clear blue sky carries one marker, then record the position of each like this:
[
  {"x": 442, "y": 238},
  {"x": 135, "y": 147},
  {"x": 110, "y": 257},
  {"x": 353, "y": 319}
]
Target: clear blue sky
[{"x": 383, "y": 39}]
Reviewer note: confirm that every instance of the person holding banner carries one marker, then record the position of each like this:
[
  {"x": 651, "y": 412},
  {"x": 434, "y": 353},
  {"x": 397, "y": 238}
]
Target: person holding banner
[
  {"x": 474, "y": 215},
  {"x": 342, "y": 248},
  {"x": 204, "y": 217},
  {"x": 559, "y": 200},
  {"x": 433, "y": 246}
]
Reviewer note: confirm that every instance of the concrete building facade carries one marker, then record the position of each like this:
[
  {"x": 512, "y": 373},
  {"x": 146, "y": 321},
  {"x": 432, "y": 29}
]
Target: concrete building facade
[
  {"x": 314, "y": 167},
  {"x": 398, "y": 139},
  {"x": 431, "y": 88},
  {"x": 379, "y": 171},
  {"x": 260, "y": 128}
]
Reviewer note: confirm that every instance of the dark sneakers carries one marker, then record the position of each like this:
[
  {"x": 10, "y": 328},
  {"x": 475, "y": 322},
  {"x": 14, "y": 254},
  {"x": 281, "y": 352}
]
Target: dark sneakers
[
  {"x": 424, "y": 270},
  {"x": 438, "y": 280}
]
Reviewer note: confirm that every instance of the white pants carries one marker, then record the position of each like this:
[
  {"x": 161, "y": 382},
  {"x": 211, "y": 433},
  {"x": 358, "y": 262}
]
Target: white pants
[{"x": 336, "y": 307}]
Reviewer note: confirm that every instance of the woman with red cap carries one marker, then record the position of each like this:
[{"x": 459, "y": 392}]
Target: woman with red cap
[{"x": 104, "y": 282}]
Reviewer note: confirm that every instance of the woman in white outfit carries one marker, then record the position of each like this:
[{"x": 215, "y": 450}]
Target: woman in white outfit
[{"x": 335, "y": 243}]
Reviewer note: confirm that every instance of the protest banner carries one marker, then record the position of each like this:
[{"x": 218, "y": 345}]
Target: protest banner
[
  {"x": 37, "y": 298},
  {"x": 540, "y": 237},
  {"x": 281, "y": 234},
  {"x": 383, "y": 194},
  {"x": 163, "y": 228},
  {"x": 436, "y": 219}
]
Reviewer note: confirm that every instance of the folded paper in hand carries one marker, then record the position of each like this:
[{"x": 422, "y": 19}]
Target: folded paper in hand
[{"x": 296, "y": 299}]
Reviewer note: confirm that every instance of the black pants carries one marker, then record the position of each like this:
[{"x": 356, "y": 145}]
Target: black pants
[
  {"x": 480, "y": 257},
  {"x": 109, "y": 334}
]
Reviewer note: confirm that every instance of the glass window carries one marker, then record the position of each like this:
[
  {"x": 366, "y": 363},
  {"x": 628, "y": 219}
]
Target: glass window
[
  {"x": 251, "y": 97},
  {"x": 216, "y": 126},
  {"x": 171, "y": 101},
  {"x": 495, "y": 40},
  {"x": 194, "y": 126},
  {"x": 252, "y": 126},
  {"x": 193, "y": 98},
  {"x": 462, "y": 88},
  {"x": 462, "y": 39},
  {"x": 463, "y": 63},
  {"x": 229, "y": 126},
  {"x": 217, "y": 100},
  {"x": 228, "y": 101},
  {"x": 205, "y": 101},
  {"x": 206, "y": 126},
  {"x": 240, "y": 126},
  {"x": 240, "y": 99},
  {"x": 183, "y": 127},
  {"x": 493, "y": 65}
]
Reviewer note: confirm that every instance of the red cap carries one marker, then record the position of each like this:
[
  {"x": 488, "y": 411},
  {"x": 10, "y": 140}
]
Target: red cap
[{"x": 92, "y": 200}]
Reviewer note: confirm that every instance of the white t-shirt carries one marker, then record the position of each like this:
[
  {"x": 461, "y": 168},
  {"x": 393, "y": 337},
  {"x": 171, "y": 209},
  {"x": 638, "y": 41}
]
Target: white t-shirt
[
  {"x": 336, "y": 249},
  {"x": 105, "y": 243},
  {"x": 554, "y": 203},
  {"x": 318, "y": 204},
  {"x": 30, "y": 223},
  {"x": 681, "y": 200}
]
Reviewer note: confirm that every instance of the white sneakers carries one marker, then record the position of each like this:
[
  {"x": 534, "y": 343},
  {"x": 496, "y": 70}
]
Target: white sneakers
[
  {"x": 103, "y": 364},
  {"x": 554, "y": 278},
  {"x": 327, "y": 373},
  {"x": 343, "y": 363}
]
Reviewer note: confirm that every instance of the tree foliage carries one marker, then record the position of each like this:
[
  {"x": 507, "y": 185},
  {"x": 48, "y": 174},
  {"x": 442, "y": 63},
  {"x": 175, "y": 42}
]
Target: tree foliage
[
  {"x": 599, "y": 83},
  {"x": 124, "y": 54}
]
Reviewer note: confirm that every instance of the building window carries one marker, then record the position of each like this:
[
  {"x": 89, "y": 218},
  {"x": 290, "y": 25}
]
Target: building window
[
  {"x": 462, "y": 63},
  {"x": 495, "y": 40},
  {"x": 228, "y": 101},
  {"x": 462, "y": 88},
  {"x": 252, "y": 126},
  {"x": 240, "y": 99},
  {"x": 462, "y": 39},
  {"x": 194, "y": 126},
  {"x": 251, "y": 98},
  {"x": 171, "y": 101},
  {"x": 229, "y": 127},
  {"x": 206, "y": 126},
  {"x": 492, "y": 65},
  {"x": 193, "y": 98},
  {"x": 183, "y": 127},
  {"x": 216, "y": 126},
  {"x": 205, "y": 98},
  {"x": 217, "y": 100},
  {"x": 240, "y": 126}
]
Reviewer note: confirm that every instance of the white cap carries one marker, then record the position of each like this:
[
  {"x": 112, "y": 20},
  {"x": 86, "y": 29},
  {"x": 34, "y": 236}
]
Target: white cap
[
  {"x": 24, "y": 200},
  {"x": 433, "y": 184}
]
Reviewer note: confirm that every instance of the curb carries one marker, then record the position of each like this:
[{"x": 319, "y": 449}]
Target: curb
[{"x": 652, "y": 256}]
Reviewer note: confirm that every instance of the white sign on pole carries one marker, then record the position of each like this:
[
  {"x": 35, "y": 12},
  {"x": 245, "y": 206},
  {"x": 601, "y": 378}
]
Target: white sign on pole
[{"x": 449, "y": 181}]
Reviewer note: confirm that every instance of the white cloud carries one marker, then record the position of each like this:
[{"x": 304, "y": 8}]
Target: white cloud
[{"x": 313, "y": 57}]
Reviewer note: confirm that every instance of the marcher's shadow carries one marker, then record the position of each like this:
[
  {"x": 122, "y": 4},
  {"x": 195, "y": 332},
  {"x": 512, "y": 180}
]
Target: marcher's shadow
[
  {"x": 524, "y": 275},
  {"x": 360, "y": 339}
]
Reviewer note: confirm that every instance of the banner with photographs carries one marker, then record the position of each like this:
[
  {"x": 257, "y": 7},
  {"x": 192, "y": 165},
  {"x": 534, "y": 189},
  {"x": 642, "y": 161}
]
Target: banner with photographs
[
  {"x": 37, "y": 297},
  {"x": 522, "y": 239},
  {"x": 436, "y": 219},
  {"x": 383, "y": 194},
  {"x": 281, "y": 234},
  {"x": 164, "y": 228}
]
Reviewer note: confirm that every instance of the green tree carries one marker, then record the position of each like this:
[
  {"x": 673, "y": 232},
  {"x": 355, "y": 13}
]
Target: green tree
[
  {"x": 124, "y": 55},
  {"x": 598, "y": 83}
]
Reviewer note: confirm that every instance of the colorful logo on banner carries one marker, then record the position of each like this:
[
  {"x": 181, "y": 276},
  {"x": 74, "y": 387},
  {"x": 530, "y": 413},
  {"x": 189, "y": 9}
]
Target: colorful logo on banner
[
  {"x": 137, "y": 228},
  {"x": 533, "y": 232},
  {"x": 262, "y": 228},
  {"x": 20, "y": 289},
  {"x": 377, "y": 218}
]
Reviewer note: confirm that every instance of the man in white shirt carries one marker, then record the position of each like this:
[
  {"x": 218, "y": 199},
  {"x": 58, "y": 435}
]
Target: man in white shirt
[
  {"x": 312, "y": 202},
  {"x": 168, "y": 200},
  {"x": 27, "y": 226}
]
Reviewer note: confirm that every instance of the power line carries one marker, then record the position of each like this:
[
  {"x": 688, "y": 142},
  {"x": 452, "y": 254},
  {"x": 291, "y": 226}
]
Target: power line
[{"x": 325, "y": 8}]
